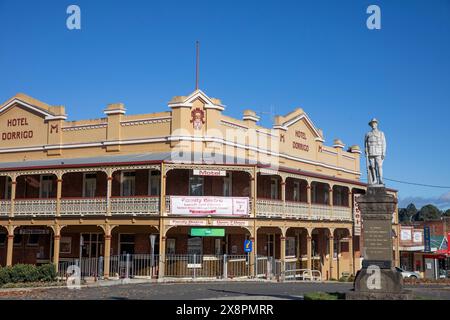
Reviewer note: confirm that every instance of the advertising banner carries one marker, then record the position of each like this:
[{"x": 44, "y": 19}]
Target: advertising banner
[
  {"x": 205, "y": 206},
  {"x": 427, "y": 239},
  {"x": 356, "y": 216}
]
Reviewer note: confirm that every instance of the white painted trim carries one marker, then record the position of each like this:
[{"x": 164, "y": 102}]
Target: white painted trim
[
  {"x": 214, "y": 106},
  {"x": 85, "y": 127},
  {"x": 180, "y": 138},
  {"x": 144, "y": 121},
  {"x": 253, "y": 118},
  {"x": 180, "y": 105},
  {"x": 114, "y": 111}
]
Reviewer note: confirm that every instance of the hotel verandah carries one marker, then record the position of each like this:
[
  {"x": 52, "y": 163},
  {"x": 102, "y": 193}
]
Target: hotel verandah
[{"x": 100, "y": 192}]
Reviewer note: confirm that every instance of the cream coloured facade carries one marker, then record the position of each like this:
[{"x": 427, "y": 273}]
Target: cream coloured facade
[{"x": 101, "y": 188}]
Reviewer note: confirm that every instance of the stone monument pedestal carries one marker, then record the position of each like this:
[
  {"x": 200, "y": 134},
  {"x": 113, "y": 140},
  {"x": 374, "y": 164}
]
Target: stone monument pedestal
[{"x": 378, "y": 279}]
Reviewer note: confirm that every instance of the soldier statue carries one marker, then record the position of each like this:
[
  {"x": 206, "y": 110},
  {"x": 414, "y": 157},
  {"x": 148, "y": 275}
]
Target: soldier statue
[{"x": 375, "y": 147}]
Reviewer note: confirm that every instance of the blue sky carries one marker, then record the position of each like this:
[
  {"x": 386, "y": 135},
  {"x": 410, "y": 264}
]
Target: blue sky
[{"x": 264, "y": 55}]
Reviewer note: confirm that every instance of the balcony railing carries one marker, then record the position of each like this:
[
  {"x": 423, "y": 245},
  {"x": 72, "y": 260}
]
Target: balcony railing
[
  {"x": 135, "y": 205},
  {"x": 296, "y": 210},
  {"x": 150, "y": 205},
  {"x": 342, "y": 213},
  {"x": 5, "y": 207},
  {"x": 34, "y": 207},
  {"x": 269, "y": 208},
  {"x": 83, "y": 206}
]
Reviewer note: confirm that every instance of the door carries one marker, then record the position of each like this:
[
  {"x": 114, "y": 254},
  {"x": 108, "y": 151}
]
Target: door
[{"x": 89, "y": 185}]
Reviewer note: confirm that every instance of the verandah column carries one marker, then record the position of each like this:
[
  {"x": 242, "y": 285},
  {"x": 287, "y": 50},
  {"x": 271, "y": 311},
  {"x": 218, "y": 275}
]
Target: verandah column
[
  {"x": 10, "y": 246},
  {"x": 108, "y": 191},
  {"x": 283, "y": 252},
  {"x": 331, "y": 251},
  {"x": 308, "y": 198},
  {"x": 253, "y": 213},
  {"x": 107, "y": 253},
  {"x": 56, "y": 245},
  {"x": 309, "y": 249},
  {"x": 13, "y": 194},
  {"x": 58, "y": 193},
  {"x": 351, "y": 253},
  {"x": 162, "y": 229}
]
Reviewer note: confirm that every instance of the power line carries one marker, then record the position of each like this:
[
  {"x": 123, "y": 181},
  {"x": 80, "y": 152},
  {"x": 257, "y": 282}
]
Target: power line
[{"x": 419, "y": 184}]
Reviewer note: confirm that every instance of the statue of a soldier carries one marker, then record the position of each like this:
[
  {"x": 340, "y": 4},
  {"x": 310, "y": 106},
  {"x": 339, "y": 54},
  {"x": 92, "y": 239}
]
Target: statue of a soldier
[{"x": 375, "y": 147}]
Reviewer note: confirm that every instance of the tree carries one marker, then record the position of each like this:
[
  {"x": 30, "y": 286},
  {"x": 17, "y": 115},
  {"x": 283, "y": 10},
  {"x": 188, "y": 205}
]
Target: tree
[
  {"x": 428, "y": 212},
  {"x": 447, "y": 213},
  {"x": 407, "y": 214}
]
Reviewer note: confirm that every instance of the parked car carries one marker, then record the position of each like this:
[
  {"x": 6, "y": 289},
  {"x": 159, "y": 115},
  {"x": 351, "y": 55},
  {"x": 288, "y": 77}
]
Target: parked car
[{"x": 408, "y": 274}]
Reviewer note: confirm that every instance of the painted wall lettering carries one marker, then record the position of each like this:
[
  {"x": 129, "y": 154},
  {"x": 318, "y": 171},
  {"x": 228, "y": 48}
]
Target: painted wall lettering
[
  {"x": 17, "y": 135},
  {"x": 298, "y": 145}
]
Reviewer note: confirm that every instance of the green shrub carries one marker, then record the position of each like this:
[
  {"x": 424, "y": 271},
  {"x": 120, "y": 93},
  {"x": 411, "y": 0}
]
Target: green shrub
[
  {"x": 47, "y": 272},
  {"x": 24, "y": 273},
  {"x": 4, "y": 275},
  {"x": 322, "y": 296}
]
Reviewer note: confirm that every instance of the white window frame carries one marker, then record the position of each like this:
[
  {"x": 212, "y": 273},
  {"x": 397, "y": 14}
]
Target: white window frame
[
  {"x": 122, "y": 181},
  {"x": 228, "y": 179},
  {"x": 197, "y": 177},
  {"x": 158, "y": 182},
  {"x": 296, "y": 193},
  {"x": 7, "y": 185},
  {"x": 119, "y": 242},
  {"x": 171, "y": 244},
  {"x": 273, "y": 241},
  {"x": 41, "y": 179},
  {"x": 218, "y": 246},
  {"x": 288, "y": 239},
  {"x": 84, "y": 183},
  {"x": 274, "y": 191}
]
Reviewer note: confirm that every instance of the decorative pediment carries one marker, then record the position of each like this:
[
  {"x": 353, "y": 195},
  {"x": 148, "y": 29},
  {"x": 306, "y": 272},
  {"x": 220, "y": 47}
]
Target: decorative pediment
[
  {"x": 34, "y": 106},
  {"x": 188, "y": 101},
  {"x": 291, "y": 119}
]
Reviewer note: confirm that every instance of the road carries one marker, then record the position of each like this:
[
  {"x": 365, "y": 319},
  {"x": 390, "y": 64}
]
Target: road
[{"x": 210, "y": 290}]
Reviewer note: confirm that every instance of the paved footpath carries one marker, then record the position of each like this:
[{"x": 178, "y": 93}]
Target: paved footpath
[{"x": 210, "y": 290}]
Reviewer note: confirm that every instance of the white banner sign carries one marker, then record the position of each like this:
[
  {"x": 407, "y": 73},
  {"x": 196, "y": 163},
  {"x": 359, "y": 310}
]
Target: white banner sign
[
  {"x": 204, "y": 206},
  {"x": 418, "y": 237},
  {"x": 215, "y": 223},
  {"x": 356, "y": 216},
  {"x": 214, "y": 173},
  {"x": 405, "y": 234}
]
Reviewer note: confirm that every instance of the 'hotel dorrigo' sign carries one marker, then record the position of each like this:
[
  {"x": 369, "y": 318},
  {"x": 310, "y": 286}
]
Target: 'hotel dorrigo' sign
[{"x": 204, "y": 206}]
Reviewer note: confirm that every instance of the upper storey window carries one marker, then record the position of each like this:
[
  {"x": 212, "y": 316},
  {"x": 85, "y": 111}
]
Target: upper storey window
[
  {"x": 128, "y": 185},
  {"x": 196, "y": 185},
  {"x": 46, "y": 186}
]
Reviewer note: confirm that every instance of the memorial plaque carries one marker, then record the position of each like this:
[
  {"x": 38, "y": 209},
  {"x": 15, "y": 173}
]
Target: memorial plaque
[{"x": 377, "y": 243}]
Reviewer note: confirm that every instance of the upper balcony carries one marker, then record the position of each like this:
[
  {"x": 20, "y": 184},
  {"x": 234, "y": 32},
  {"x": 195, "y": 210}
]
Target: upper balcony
[{"x": 137, "y": 193}]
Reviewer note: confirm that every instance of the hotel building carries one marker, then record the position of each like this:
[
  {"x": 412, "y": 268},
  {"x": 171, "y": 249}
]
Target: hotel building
[{"x": 182, "y": 183}]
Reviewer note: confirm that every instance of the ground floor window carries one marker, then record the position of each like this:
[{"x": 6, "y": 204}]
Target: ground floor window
[
  {"x": 290, "y": 247},
  {"x": 170, "y": 246},
  {"x": 195, "y": 251},
  {"x": 33, "y": 240},
  {"x": 91, "y": 245},
  {"x": 18, "y": 239},
  {"x": 65, "y": 245},
  {"x": 218, "y": 250},
  {"x": 126, "y": 243}
]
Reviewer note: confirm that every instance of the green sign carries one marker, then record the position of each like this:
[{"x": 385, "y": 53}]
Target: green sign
[{"x": 208, "y": 232}]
